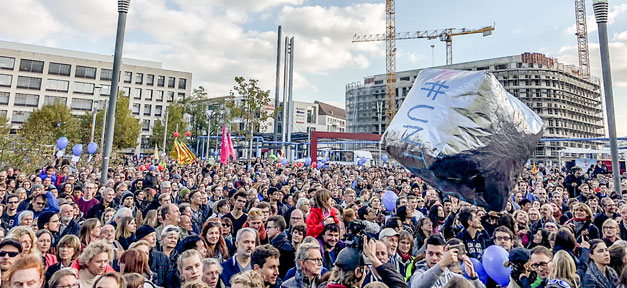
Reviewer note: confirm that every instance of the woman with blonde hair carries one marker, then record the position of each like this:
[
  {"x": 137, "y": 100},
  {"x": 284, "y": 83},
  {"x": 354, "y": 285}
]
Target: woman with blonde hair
[
  {"x": 248, "y": 279},
  {"x": 125, "y": 232},
  {"x": 90, "y": 231},
  {"x": 26, "y": 237},
  {"x": 564, "y": 269},
  {"x": 107, "y": 215},
  {"x": 582, "y": 224},
  {"x": 321, "y": 214}
]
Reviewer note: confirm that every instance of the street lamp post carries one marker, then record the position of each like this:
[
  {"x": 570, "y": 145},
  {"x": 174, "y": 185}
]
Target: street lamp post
[
  {"x": 379, "y": 114},
  {"x": 600, "y": 13},
  {"x": 93, "y": 111},
  {"x": 113, "y": 95}
]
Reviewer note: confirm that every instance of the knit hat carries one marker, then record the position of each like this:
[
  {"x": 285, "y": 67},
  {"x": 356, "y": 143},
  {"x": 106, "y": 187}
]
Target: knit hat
[
  {"x": 43, "y": 219},
  {"x": 143, "y": 231},
  {"x": 127, "y": 194}
]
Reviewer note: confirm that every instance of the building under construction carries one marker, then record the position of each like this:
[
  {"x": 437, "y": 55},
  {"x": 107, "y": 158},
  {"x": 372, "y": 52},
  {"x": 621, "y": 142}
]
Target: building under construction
[{"x": 569, "y": 103}]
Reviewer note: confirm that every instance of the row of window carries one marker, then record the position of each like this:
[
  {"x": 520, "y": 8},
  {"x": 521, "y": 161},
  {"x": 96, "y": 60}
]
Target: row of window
[
  {"x": 147, "y": 109},
  {"x": 36, "y": 66}
]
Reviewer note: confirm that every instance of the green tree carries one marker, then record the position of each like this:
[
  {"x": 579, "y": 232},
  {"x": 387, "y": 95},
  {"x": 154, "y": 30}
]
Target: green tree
[
  {"x": 51, "y": 122},
  {"x": 254, "y": 112},
  {"x": 175, "y": 116},
  {"x": 196, "y": 107},
  {"x": 127, "y": 127}
]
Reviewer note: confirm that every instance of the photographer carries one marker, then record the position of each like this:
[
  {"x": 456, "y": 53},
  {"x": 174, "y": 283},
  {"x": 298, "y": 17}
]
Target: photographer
[
  {"x": 521, "y": 274},
  {"x": 434, "y": 270}
]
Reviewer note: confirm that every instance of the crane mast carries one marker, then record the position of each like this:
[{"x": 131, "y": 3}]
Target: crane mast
[
  {"x": 582, "y": 38},
  {"x": 390, "y": 61}
]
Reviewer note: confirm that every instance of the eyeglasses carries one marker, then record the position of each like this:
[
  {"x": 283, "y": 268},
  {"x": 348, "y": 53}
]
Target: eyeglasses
[
  {"x": 11, "y": 254},
  {"x": 225, "y": 225},
  {"x": 40, "y": 203},
  {"x": 560, "y": 283},
  {"x": 609, "y": 228},
  {"x": 316, "y": 260},
  {"x": 540, "y": 264},
  {"x": 12, "y": 202},
  {"x": 502, "y": 238}
]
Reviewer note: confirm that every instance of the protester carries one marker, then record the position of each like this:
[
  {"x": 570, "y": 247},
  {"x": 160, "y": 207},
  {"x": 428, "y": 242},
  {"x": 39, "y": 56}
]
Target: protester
[{"x": 27, "y": 271}]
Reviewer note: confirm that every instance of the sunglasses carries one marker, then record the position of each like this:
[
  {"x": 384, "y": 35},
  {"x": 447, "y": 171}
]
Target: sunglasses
[{"x": 11, "y": 254}]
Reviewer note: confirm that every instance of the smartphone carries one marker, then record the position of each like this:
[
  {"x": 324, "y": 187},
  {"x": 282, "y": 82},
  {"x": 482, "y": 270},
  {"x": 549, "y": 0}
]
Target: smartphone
[{"x": 461, "y": 248}]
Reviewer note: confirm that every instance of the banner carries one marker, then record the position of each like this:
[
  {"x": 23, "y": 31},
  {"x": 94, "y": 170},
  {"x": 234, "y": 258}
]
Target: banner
[{"x": 181, "y": 153}]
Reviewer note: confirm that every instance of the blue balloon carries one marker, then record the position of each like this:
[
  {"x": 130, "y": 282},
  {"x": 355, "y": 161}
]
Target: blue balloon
[
  {"x": 92, "y": 148},
  {"x": 215, "y": 153},
  {"x": 284, "y": 161},
  {"x": 362, "y": 161},
  {"x": 389, "y": 200},
  {"x": 152, "y": 168},
  {"x": 476, "y": 264},
  {"x": 77, "y": 149},
  {"x": 493, "y": 259},
  {"x": 384, "y": 158},
  {"x": 320, "y": 164},
  {"x": 62, "y": 143},
  {"x": 308, "y": 161}
]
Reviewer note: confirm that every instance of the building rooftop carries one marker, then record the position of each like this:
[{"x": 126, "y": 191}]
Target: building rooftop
[
  {"x": 76, "y": 54},
  {"x": 327, "y": 109}
]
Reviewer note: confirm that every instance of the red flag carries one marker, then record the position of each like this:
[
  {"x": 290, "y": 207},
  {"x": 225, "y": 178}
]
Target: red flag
[
  {"x": 230, "y": 146},
  {"x": 224, "y": 149}
]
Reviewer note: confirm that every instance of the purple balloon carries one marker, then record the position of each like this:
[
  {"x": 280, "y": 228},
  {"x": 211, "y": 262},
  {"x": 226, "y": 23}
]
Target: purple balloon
[
  {"x": 77, "y": 149},
  {"x": 493, "y": 261},
  {"x": 62, "y": 143},
  {"x": 92, "y": 148},
  {"x": 389, "y": 200},
  {"x": 476, "y": 264}
]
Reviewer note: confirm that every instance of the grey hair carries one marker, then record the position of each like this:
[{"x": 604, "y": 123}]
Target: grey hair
[
  {"x": 242, "y": 231},
  {"x": 167, "y": 230},
  {"x": 301, "y": 202},
  {"x": 211, "y": 261},
  {"x": 67, "y": 271},
  {"x": 303, "y": 251},
  {"x": 107, "y": 190},
  {"x": 124, "y": 211},
  {"x": 38, "y": 186},
  {"x": 24, "y": 214},
  {"x": 163, "y": 184}
]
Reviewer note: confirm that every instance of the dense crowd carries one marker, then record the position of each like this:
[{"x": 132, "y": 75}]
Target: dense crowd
[{"x": 264, "y": 224}]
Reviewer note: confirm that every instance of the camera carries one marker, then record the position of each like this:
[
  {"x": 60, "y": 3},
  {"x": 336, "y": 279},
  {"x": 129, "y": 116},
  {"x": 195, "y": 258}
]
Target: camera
[{"x": 354, "y": 235}]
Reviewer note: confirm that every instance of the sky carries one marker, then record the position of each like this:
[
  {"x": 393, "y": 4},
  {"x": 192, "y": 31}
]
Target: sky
[{"x": 218, "y": 40}]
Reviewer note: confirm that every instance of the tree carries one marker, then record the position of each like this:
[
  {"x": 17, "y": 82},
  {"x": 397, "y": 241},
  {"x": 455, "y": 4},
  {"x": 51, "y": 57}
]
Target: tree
[
  {"x": 196, "y": 107},
  {"x": 127, "y": 127},
  {"x": 255, "y": 107},
  {"x": 46, "y": 125},
  {"x": 175, "y": 116}
]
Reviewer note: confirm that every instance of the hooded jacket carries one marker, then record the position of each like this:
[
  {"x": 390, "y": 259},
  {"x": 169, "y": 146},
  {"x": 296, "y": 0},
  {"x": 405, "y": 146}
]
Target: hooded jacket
[
  {"x": 435, "y": 277},
  {"x": 315, "y": 221},
  {"x": 287, "y": 251}
]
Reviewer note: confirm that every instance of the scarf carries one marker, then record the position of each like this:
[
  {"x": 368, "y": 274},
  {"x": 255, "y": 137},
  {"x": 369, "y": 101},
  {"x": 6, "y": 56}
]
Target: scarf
[
  {"x": 580, "y": 219},
  {"x": 404, "y": 256}
]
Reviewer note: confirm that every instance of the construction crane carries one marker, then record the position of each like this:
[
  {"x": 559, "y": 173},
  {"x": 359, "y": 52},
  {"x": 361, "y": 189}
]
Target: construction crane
[
  {"x": 582, "y": 38},
  {"x": 445, "y": 35}
]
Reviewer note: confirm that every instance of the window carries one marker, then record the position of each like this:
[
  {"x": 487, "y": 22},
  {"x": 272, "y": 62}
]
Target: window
[
  {"x": 181, "y": 96},
  {"x": 50, "y": 100},
  {"x": 145, "y": 141},
  {"x": 59, "y": 69},
  {"x": 182, "y": 83},
  {"x": 29, "y": 100},
  {"x": 170, "y": 96},
  {"x": 158, "y": 110},
  {"x": 105, "y": 90},
  {"x": 3, "y": 114},
  {"x": 19, "y": 117},
  {"x": 147, "y": 109},
  {"x": 146, "y": 126},
  {"x": 106, "y": 74},
  {"x": 150, "y": 79},
  {"x": 85, "y": 72},
  {"x": 161, "y": 81},
  {"x": 148, "y": 94},
  {"x": 57, "y": 85},
  {"x": 4, "y": 98},
  {"x": 29, "y": 82},
  {"x": 5, "y": 80},
  {"x": 139, "y": 78},
  {"x": 83, "y": 88},
  {"x": 138, "y": 93},
  {"x": 127, "y": 91},
  {"x": 81, "y": 104},
  {"x": 171, "y": 81},
  {"x": 159, "y": 95},
  {"x": 7, "y": 63},
  {"x": 128, "y": 76},
  {"x": 32, "y": 66},
  {"x": 136, "y": 107}
]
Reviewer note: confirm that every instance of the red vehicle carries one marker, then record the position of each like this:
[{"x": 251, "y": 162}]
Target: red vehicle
[{"x": 608, "y": 163}]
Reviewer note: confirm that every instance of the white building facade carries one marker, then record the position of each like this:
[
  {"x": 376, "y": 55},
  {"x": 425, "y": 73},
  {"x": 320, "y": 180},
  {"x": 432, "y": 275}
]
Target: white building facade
[{"x": 33, "y": 76}]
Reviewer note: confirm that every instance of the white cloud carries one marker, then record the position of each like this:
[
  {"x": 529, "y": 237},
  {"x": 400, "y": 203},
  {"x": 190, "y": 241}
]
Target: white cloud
[
  {"x": 591, "y": 23},
  {"x": 34, "y": 20}
]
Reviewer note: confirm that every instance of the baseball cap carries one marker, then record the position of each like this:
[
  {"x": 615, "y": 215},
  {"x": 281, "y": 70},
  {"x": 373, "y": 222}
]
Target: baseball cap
[
  {"x": 11, "y": 242},
  {"x": 348, "y": 259},
  {"x": 519, "y": 256},
  {"x": 387, "y": 232}
]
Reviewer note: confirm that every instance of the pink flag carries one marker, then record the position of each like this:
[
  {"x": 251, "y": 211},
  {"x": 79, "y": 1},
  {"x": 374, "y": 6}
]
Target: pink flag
[
  {"x": 224, "y": 149},
  {"x": 230, "y": 146}
]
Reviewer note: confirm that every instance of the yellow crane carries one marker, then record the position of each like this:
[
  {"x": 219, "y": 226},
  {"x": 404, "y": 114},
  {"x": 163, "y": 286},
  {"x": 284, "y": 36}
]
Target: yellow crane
[{"x": 390, "y": 37}]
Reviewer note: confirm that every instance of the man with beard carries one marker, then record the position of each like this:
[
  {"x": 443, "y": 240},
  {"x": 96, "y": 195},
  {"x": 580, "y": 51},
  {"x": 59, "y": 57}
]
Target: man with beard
[
  {"x": 329, "y": 239},
  {"x": 68, "y": 225},
  {"x": 9, "y": 252},
  {"x": 609, "y": 208},
  {"x": 472, "y": 236},
  {"x": 573, "y": 181},
  {"x": 245, "y": 241},
  {"x": 265, "y": 260},
  {"x": 8, "y": 217}
]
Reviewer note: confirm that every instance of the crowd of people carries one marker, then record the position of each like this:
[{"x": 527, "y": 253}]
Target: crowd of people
[{"x": 263, "y": 224}]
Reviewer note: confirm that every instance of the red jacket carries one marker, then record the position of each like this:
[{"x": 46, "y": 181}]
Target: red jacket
[
  {"x": 315, "y": 221},
  {"x": 76, "y": 266}
]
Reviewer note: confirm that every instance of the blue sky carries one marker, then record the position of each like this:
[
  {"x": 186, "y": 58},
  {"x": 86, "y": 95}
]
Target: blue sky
[{"x": 217, "y": 40}]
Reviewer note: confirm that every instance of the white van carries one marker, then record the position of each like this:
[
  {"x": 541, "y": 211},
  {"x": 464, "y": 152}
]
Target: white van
[{"x": 346, "y": 157}]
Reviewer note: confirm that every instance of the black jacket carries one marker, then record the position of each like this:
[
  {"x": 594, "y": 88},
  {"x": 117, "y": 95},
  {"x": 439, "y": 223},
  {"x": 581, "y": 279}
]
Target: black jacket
[
  {"x": 390, "y": 277},
  {"x": 72, "y": 229},
  {"x": 287, "y": 251},
  {"x": 474, "y": 247},
  {"x": 159, "y": 265}
]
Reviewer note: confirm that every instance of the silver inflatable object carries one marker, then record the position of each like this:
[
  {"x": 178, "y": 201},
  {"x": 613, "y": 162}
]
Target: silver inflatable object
[{"x": 463, "y": 134}]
